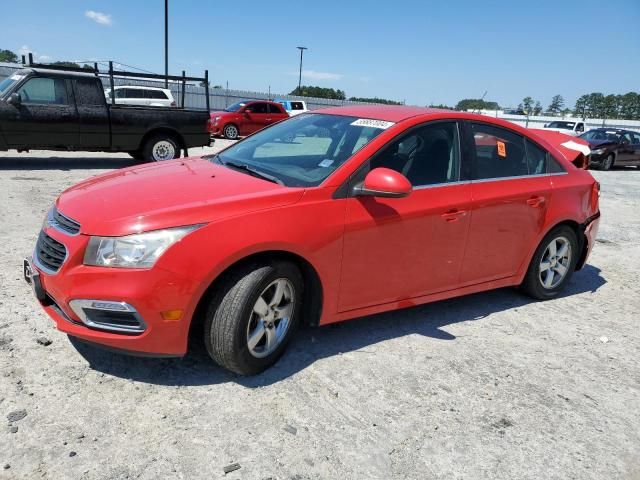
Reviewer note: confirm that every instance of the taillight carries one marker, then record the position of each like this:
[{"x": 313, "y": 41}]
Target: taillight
[
  {"x": 595, "y": 197},
  {"x": 173, "y": 104}
]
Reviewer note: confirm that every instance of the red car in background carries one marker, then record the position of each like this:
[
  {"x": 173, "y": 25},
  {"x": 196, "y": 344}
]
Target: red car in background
[
  {"x": 324, "y": 217},
  {"x": 246, "y": 117}
]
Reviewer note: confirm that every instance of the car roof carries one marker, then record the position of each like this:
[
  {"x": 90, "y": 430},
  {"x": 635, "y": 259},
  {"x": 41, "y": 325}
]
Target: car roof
[
  {"x": 139, "y": 87},
  {"x": 388, "y": 113}
]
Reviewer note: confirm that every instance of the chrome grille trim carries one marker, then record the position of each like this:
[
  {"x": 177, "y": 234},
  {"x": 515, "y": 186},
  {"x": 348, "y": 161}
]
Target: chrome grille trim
[
  {"x": 61, "y": 222},
  {"x": 49, "y": 254}
]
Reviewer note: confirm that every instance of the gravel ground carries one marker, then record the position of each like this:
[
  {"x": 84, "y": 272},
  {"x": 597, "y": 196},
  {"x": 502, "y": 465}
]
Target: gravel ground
[{"x": 491, "y": 385}]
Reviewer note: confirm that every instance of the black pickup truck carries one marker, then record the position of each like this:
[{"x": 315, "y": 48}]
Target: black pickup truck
[{"x": 51, "y": 109}]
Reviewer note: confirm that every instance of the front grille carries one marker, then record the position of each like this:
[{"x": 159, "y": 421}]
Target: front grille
[
  {"x": 50, "y": 253},
  {"x": 64, "y": 223}
]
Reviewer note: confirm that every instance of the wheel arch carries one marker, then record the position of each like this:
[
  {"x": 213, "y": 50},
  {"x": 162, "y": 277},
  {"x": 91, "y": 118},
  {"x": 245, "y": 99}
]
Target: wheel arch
[
  {"x": 578, "y": 229},
  {"x": 313, "y": 294},
  {"x": 162, "y": 130}
]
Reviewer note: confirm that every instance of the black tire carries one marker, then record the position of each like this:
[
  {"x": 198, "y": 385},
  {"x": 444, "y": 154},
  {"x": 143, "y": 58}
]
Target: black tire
[
  {"x": 532, "y": 284},
  {"x": 230, "y": 131},
  {"x": 151, "y": 151},
  {"x": 231, "y": 311},
  {"x": 607, "y": 163}
]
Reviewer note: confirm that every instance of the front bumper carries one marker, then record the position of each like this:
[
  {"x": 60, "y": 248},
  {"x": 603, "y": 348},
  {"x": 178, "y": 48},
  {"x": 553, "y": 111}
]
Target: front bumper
[{"x": 148, "y": 293}]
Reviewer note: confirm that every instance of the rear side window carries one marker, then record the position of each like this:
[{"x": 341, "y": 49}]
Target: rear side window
[
  {"x": 258, "y": 108},
  {"x": 133, "y": 93},
  {"x": 156, "y": 94},
  {"x": 47, "y": 91},
  {"x": 297, "y": 106},
  {"x": 499, "y": 152},
  {"x": 88, "y": 92},
  {"x": 536, "y": 158},
  {"x": 553, "y": 166},
  {"x": 273, "y": 108}
]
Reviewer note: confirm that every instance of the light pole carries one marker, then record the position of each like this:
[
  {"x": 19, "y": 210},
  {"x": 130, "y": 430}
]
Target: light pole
[
  {"x": 166, "y": 43},
  {"x": 302, "y": 49}
]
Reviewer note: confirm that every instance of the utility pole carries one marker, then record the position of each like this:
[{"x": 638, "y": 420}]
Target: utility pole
[
  {"x": 166, "y": 43},
  {"x": 302, "y": 49}
]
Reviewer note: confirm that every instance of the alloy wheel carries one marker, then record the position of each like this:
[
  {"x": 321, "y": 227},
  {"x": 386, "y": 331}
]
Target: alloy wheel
[
  {"x": 270, "y": 318},
  {"x": 555, "y": 262}
]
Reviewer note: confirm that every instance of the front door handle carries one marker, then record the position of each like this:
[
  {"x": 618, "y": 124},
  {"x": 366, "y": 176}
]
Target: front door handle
[
  {"x": 536, "y": 202},
  {"x": 453, "y": 215}
]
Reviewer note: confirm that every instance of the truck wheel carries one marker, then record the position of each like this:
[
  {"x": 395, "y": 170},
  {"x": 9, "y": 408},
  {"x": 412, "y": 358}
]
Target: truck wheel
[
  {"x": 161, "y": 147},
  {"x": 230, "y": 131},
  {"x": 250, "y": 321},
  {"x": 552, "y": 264}
]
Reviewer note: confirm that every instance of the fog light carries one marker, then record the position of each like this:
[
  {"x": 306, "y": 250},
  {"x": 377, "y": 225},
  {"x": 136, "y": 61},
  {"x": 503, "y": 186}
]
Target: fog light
[
  {"x": 171, "y": 315},
  {"x": 108, "y": 315}
]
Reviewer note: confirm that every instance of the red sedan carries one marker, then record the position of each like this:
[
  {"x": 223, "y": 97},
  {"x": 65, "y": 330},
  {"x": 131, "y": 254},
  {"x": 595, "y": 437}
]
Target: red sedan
[
  {"x": 321, "y": 218},
  {"x": 244, "y": 118}
]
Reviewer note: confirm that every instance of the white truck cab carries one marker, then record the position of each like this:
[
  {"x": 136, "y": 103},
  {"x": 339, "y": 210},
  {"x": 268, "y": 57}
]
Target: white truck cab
[{"x": 573, "y": 128}]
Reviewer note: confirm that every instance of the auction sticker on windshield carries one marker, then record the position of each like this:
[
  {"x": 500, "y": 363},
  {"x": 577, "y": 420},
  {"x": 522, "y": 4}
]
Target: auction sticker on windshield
[{"x": 367, "y": 122}]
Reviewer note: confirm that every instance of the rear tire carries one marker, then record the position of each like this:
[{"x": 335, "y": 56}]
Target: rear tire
[
  {"x": 552, "y": 265},
  {"x": 253, "y": 316},
  {"x": 230, "y": 132},
  {"x": 161, "y": 147}
]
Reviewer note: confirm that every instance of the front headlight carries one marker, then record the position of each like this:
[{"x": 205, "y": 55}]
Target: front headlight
[
  {"x": 141, "y": 250},
  {"x": 216, "y": 120},
  {"x": 598, "y": 151}
]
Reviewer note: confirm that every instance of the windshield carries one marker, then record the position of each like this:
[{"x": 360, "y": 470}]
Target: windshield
[
  {"x": 303, "y": 150},
  {"x": 601, "y": 135},
  {"x": 235, "y": 107},
  {"x": 9, "y": 81},
  {"x": 564, "y": 125}
]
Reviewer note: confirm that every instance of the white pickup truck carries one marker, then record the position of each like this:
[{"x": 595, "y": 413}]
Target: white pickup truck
[{"x": 567, "y": 127}]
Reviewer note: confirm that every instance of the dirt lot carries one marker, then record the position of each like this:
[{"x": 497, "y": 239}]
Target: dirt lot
[{"x": 487, "y": 386}]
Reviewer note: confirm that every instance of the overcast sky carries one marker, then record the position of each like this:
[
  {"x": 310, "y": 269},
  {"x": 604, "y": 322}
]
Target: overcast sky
[{"x": 419, "y": 51}]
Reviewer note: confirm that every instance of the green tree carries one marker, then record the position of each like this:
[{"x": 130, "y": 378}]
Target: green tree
[
  {"x": 582, "y": 104},
  {"x": 556, "y": 105},
  {"x": 319, "y": 92},
  {"x": 476, "y": 104},
  {"x": 537, "y": 109},
  {"x": 383, "y": 101},
  {"x": 595, "y": 105},
  {"x": 8, "y": 56},
  {"x": 527, "y": 105},
  {"x": 630, "y": 106},
  {"x": 610, "y": 106}
]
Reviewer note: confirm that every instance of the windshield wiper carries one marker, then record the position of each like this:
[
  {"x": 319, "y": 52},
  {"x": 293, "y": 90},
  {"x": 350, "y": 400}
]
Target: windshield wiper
[{"x": 250, "y": 170}]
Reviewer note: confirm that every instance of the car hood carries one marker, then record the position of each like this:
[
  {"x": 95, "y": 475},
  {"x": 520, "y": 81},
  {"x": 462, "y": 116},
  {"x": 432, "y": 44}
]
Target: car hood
[
  {"x": 168, "y": 194},
  {"x": 600, "y": 143}
]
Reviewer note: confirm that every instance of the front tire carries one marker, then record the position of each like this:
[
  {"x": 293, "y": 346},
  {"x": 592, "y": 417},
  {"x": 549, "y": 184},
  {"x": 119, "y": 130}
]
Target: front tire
[
  {"x": 552, "y": 265},
  {"x": 230, "y": 132},
  {"x": 160, "y": 148},
  {"x": 253, "y": 316},
  {"x": 607, "y": 163}
]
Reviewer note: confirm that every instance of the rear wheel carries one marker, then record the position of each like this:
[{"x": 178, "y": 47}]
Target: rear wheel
[
  {"x": 161, "y": 147},
  {"x": 552, "y": 264},
  {"x": 607, "y": 163},
  {"x": 230, "y": 131},
  {"x": 252, "y": 318}
]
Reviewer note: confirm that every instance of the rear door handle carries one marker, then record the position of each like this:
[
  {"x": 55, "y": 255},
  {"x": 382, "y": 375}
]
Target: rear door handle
[
  {"x": 453, "y": 215},
  {"x": 536, "y": 202}
]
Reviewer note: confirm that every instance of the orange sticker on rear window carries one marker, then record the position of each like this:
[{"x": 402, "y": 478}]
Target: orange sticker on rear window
[{"x": 502, "y": 149}]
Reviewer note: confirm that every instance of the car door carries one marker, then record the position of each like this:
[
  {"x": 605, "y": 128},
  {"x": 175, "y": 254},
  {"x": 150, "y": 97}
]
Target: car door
[
  {"x": 625, "y": 154},
  {"x": 255, "y": 117},
  {"x": 46, "y": 116},
  {"x": 510, "y": 193},
  {"x": 635, "y": 156},
  {"x": 401, "y": 248},
  {"x": 277, "y": 113}
]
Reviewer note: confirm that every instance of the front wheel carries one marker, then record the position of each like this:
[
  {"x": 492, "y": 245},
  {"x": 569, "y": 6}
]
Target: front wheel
[
  {"x": 160, "y": 148},
  {"x": 250, "y": 321},
  {"x": 607, "y": 163},
  {"x": 552, "y": 264},
  {"x": 231, "y": 131}
]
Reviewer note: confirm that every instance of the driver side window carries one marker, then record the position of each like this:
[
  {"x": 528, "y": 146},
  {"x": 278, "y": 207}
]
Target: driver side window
[
  {"x": 427, "y": 155},
  {"x": 44, "y": 91}
]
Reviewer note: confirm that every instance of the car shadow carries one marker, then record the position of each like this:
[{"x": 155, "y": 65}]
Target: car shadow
[
  {"x": 65, "y": 163},
  {"x": 313, "y": 344}
]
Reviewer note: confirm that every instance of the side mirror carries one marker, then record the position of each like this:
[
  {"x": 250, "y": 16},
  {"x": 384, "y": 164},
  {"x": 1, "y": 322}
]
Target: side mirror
[
  {"x": 14, "y": 99},
  {"x": 247, "y": 110},
  {"x": 384, "y": 182}
]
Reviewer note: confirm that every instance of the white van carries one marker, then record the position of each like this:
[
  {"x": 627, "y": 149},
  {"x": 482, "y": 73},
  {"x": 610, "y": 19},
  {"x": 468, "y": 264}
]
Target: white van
[
  {"x": 294, "y": 107},
  {"x": 145, "y": 96}
]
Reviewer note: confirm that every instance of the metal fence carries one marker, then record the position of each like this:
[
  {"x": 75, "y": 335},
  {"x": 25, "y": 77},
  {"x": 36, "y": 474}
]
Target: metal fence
[
  {"x": 219, "y": 98},
  {"x": 540, "y": 121}
]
